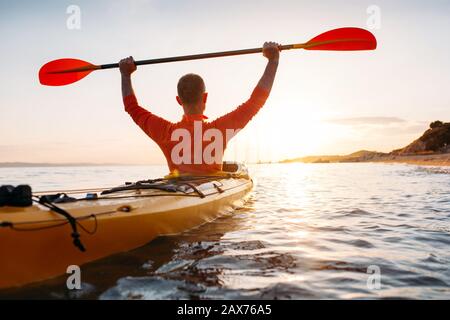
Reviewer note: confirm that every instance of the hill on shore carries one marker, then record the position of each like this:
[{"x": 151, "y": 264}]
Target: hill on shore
[
  {"x": 362, "y": 155},
  {"x": 435, "y": 140}
]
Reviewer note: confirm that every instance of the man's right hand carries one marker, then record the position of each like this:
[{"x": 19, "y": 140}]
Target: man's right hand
[
  {"x": 271, "y": 50},
  {"x": 127, "y": 66}
]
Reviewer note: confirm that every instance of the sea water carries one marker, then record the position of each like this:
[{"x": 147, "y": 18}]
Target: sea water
[{"x": 308, "y": 231}]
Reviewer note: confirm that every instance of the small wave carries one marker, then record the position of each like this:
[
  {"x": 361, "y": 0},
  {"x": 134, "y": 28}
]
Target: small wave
[
  {"x": 434, "y": 259},
  {"x": 433, "y": 170},
  {"x": 423, "y": 281},
  {"x": 248, "y": 245},
  {"x": 328, "y": 228},
  {"x": 437, "y": 239},
  {"x": 288, "y": 210},
  {"x": 393, "y": 239},
  {"x": 377, "y": 228},
  {"x": 340, "y": 266},
  {"x": 285, "y": 291},
  {"x": 404, "y": 215},
  {"x": 354, "y": 213},
  {"x": 174, "y": 266},
  {"x": 151, "y": 288},
  {"x": 443, "y": 227},
  {"x": 360, "y": 243},
  {"x": 86, "y": 290}
]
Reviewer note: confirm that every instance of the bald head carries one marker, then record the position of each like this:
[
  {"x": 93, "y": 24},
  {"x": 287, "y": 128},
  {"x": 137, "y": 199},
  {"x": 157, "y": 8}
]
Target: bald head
[{"x": 190, "y": 89}]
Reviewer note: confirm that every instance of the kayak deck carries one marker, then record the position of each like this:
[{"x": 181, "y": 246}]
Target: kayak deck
[{"x": 36, "y": 243}]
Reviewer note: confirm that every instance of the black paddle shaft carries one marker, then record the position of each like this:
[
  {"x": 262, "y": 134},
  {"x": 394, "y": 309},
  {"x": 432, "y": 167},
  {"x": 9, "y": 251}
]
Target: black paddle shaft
[{"x": 196, "y": 56}]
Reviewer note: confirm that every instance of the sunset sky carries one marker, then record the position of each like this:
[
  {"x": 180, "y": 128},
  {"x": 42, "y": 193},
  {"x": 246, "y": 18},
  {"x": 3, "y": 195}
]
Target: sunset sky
[{"x": 321, "y": 103}]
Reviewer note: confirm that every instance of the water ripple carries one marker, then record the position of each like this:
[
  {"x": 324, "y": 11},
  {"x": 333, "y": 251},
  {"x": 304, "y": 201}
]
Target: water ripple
[{"x": 307, "y": 232}]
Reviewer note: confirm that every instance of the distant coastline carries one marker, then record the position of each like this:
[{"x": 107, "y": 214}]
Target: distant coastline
[
  {"x": 432, "y": 148},
  {"x": 75, "y": 164},
  {"x": 368, "y": 156}
]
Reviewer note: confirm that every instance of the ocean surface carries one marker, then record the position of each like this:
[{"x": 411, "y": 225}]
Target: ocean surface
[{"x": 308, "y": 231}]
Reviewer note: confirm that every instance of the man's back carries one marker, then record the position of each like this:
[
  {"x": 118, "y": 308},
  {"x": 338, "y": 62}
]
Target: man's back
[{"x": 194, "y": 146}]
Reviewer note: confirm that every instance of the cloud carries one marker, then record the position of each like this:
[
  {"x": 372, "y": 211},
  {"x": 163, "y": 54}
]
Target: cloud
[{"x": 357, "y": 121}]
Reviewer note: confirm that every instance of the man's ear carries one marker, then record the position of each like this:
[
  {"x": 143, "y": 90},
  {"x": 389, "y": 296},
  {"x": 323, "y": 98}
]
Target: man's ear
[
  {"x": 205, "y": 97},
  {"x": 179, "y": 101}
]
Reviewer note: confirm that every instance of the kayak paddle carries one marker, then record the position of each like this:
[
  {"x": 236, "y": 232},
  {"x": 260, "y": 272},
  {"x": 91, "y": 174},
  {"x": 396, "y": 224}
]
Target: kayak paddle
[{"x": 66, "y": 71}]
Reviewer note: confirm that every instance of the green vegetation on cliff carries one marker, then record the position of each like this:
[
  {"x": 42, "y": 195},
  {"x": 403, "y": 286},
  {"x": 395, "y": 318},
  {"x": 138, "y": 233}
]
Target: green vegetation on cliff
[{"x": 434, "y": 140}]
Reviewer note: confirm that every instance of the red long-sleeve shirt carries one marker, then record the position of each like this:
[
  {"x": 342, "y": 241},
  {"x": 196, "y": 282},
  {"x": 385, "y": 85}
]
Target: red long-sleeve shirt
[{"x": 162, "y": 132}]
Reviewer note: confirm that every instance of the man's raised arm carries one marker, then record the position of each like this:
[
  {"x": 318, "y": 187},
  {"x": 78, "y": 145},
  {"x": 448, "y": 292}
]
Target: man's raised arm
[
  {"x": 272, "y": 53},
  {"x": 154, "y": 126},
  {"x": 127, "y": 67},
  {"x": 238, "y": 118}
]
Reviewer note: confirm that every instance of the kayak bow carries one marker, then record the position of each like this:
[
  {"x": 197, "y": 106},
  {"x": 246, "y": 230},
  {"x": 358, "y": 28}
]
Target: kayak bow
[{"x": 36, "y": 244}]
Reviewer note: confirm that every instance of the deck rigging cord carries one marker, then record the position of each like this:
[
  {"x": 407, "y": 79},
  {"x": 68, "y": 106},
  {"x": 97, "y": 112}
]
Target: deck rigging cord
[
  {"x": 70, "y": 219},
  {"x": 49, "y": 201}
]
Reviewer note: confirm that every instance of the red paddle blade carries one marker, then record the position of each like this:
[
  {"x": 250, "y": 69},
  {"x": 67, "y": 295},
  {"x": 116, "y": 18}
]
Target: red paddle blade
[
  {"x": 343, "y": 39},
  {"x": 64, "y": 71}
]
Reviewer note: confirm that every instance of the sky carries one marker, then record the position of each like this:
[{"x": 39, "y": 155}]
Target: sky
[{"x": 321, "y": 102}]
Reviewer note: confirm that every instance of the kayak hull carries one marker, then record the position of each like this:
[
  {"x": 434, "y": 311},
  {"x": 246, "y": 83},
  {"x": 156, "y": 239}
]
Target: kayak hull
[{"x": 43, "y": 249}]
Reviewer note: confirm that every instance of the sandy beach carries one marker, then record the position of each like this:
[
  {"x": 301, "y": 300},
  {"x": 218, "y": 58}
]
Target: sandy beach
[
  {"x": 423, "y": 160},
  {"x": 437, "y": 159}
]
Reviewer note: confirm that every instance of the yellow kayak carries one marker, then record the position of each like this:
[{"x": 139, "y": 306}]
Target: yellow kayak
[{"x": 40, "y": 241}]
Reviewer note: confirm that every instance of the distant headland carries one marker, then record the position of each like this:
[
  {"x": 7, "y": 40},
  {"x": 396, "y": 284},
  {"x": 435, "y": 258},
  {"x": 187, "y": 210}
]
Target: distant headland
[{"x": 45, "y": 164}]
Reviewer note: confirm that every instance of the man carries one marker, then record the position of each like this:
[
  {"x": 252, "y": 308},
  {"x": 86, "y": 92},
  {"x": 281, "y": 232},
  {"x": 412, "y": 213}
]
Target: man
[{"x": 194, "y": 146}]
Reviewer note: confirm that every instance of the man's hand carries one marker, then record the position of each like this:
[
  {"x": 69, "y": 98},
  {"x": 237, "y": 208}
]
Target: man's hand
[
  {"x": 271, "y": 51},
  {"x": 127, "y": 66}
]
